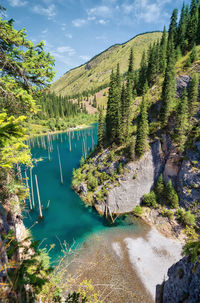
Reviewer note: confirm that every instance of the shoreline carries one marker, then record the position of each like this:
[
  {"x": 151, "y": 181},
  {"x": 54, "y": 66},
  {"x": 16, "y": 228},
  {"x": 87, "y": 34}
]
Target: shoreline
[
  {"x": 144, "y": 254},
  {"x": 62, "y": 131}
]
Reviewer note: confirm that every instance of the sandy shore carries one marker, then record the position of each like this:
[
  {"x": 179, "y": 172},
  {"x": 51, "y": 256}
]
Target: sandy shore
[
  {"x": 126, "y": 265},
  {"x": 152, "y": 256}
]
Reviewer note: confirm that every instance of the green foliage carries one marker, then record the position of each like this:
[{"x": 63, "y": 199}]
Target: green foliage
[
  {"x": 92, "y": 181},
  {"x": 82, "y": 161},
  {"x": 142, "y": 130},
  {"x": 120, "y": 169},
  {"x": 171, "y": 196},
  {"x": 78, "y": 177},
  {"x": 186, "y": 217},
  {"x": 159, "y": 188},
  {"x": 193, "y": 96},
  {"x": 138, "y": 210},
  {"x": 167, "y": 213},
  {"x": 101, "y": 129},
  {"x": 192, "y": 249},
  {"x": 150, "y": 199},
  {"x": 194, "y": 54}
]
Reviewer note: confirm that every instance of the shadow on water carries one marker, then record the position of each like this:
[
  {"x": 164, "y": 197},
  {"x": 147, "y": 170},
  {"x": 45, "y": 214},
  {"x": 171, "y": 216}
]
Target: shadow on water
[{"x": 66, "y": 219}]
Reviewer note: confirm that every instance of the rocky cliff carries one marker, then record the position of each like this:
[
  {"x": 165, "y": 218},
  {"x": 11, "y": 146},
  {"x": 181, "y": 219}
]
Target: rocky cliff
[{"x": 182, "y": 284}]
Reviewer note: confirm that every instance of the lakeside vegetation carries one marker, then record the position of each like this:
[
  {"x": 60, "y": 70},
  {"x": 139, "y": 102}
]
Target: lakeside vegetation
[{"x": 132, "y": 122}]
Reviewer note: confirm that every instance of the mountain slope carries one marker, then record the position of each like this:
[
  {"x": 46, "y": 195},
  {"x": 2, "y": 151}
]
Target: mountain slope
[{"x": 96, "y": 72}]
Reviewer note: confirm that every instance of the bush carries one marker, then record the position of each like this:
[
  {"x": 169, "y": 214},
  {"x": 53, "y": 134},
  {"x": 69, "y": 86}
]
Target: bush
[
  {"x": 150, "y": 199},
  {"x": 92, "y": 182},
  {"x": 120, "y": 169},
  {"x": 186, "y": 217},
  {"x": 167, "y": 213},
  {"x": 138, "y": 210}
]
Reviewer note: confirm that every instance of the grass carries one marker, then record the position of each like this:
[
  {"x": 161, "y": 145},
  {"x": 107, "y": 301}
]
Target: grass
[{"x": 97, "y": 71}]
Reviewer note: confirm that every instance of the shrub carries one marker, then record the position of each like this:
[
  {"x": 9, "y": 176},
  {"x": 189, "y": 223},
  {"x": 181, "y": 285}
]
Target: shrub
[
  {"x": 82, "y": 161},
  {"x": 150, "y": 199},
  {"x": 167, "y": 213},
  {"x": 186, "y": 217},
  {"x": 120, "y": 169},
  {"x": 92, "y": 182},
  {"x": 138, "y": 210}
]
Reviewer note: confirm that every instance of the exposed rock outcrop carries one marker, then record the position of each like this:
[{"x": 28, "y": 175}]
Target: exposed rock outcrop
[
  {"x": 137, "y": 181},
  {"x": 182, "y": 285}
]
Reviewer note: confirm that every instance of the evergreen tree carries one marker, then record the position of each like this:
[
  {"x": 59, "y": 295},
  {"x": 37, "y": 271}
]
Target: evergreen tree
[
  {"x": 159, "y": 188},
  {"x": 142, "y": 74},
  {"x": 182, "y": 120},
  {"x": 182, "y": 26},
  {"x": 95, "y": 102},
  {"x": 169, "y": 86},
  {"x": 163, "y": 52},
  {"x": 109, "y": 107},
  {"x": 127, "y": 116},
  {"x": 192, "y": 26},
  {"x": 194, "y": 54},
  {"x": 172, "y": 33},
  {"x": 152, "y": 65},
  {"x": 101, "y": 129},
  {"x": 131, "y": 65},
  {"x": 142, "y": 130},
  {"x": 171, "y": 195},
  {"x": 193, "y": 96}
]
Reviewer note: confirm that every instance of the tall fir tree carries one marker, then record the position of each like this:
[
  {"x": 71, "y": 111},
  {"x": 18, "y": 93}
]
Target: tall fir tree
[
  {"x": 109, "y": 108},
  {"x": 127, "y": 116},
  {"x": 163, "y": 52},
  {"x": 101, "y": 129},
  {"x": 182, "y": 27},
  {"x": 193, "y": 93},
  {"x": 169, "y": 86},
  {"x": 142, "y": 74},
  {"x": 192, "y": 25},
  {"x": 141, "y": 144},
  {"x": 172, "y": 33},
  {"x": 182, "y": 120}
]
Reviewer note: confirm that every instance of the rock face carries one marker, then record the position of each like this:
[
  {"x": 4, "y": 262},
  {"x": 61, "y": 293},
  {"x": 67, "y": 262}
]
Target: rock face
[
  {"x": 183, "y": 283},
  {"x": 138, "y": 181},
  {"x": 189, "y": 178}
]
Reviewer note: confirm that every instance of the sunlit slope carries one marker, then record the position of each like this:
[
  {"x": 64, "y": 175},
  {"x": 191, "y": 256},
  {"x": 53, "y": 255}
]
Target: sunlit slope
[{"x": 96, "y": 72}]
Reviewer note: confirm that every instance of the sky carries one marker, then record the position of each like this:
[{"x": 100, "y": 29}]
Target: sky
[{"x": 74, "y": 31}]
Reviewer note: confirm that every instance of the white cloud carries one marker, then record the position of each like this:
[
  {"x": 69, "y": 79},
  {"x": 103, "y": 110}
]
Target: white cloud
[
  {"x": 85, "y": 58},
  {"x": 145, "y": 10},
  {"x": 45, "y": 31},
  {"x": 79, "y": 22},
  {"x": 17, "y": 3},
  {"x": 50, "y": 11},
  {"x": 100, "y": 11},
  {"x": 102, "y": 21},
  {"x": 66, "y": 49},
  {"x": 68, "y": 36}
]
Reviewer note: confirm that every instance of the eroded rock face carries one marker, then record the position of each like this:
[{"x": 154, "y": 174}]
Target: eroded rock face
[
  {"x": 189, "y": 178},
  {"x": 183, "y": 283},
  {"x": 138, "y": 181}
]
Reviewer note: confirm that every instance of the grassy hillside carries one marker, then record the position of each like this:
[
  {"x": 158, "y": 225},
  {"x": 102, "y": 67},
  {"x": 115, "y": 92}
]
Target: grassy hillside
[{"x": 96, "y": 72}]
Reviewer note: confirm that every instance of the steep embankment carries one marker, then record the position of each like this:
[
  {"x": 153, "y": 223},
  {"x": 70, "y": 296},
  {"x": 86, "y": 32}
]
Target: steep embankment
[{"x": 96, "y": 72}]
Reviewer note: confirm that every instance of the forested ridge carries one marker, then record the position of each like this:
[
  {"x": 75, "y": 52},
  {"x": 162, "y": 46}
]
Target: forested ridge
[{"x": 142, "y": 107}]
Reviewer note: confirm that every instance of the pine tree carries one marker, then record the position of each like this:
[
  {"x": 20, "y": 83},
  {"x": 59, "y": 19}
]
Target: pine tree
[
  {"x": 182, "y": 26},
  {"x": 193, "y": 96},
  {"x": 169, "y": 86},
  {"x": 131, "y": 65},
  {"x": 194, "y": 54},
  {"x": 127, "y": 116},
  {"x": 142, "y": 130},
  {"x": 101, "y": 129},
  {"x": 192, "y": 26},
  {"x": 109, "y": 107},
  {"x": 152, "y": 64},
  {"x": 163, "y": 52},
  {"x": 172, "y": 33},
  {"x": 142, "y": 74},
  {"x": 171, "y": 195},
  {"x": 182, "y": 120},
  {"x": 159, "y": 188}
]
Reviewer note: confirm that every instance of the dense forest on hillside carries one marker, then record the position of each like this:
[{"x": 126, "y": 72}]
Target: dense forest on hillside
[{"x": 142, "y": 106}]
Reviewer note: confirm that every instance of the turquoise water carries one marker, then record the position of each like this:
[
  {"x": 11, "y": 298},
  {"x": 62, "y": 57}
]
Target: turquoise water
[{"x": 66, "y": 219}]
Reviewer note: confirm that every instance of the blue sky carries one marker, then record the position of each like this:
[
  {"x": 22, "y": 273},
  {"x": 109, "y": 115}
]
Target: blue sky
[{"x": 76, "y": 30}]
